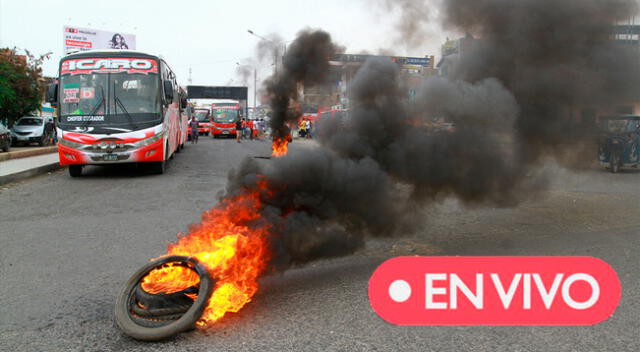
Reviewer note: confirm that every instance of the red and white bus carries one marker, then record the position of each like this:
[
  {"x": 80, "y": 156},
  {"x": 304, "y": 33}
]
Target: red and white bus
[
  {"x": 224, "y": 117},
  {"x": 117, "y": 106},
  {"x": 203, "y": 115}
]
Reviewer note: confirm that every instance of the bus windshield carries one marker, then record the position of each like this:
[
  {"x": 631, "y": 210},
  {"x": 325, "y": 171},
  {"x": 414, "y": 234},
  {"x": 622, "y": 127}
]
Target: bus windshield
[
  {"x": 202, "y": 115},
  {"x": 620, "y": 125},
  {"x": 225, "y": 115},
  {"x": 120, "y": 100}
]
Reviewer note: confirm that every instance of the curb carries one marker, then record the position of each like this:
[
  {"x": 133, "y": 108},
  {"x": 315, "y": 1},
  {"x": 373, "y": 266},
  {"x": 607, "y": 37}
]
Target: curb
[
  {"x": 28, "y": 153},
  {"x": 29, "y": 173}
]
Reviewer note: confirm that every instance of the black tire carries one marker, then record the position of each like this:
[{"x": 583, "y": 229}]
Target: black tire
[
  {"x": 163, "y": 313},
  {"x": 42, "y": 140},
  {"x": 132, "y": 327},
  {"x": 162, "y": 300},
  {"x": 158, "y": 167},
  {"x": 7, "y": 146},
  {"x": 75, "y": 170}
]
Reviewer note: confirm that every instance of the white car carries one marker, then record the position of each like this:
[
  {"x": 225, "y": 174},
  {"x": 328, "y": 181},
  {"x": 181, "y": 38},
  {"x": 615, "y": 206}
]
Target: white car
[{"x": 31, "y": 129}]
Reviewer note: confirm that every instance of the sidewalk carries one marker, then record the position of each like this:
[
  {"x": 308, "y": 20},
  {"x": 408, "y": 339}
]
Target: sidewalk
[
  {"x": 24, "y": 152},
  {"x": 17, "y": 169}
]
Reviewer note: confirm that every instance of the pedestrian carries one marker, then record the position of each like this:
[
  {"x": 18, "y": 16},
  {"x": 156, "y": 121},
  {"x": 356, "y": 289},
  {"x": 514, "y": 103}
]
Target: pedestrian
[
  {"x": 245, "y": 128},
  {"x": 260, "y": 123},
  {"x": 307, "y": 128},
  {"x": 193, "y": 127},
  {"x": 252, "y": 129},
  {"x": 49, "y": 131},
  {"x": 238, "y": 130},
  {"x": 302, "y": 132}
]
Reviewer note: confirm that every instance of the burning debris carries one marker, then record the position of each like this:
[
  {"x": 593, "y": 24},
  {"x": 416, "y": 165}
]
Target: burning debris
[
  {"x": 148, "y": 317},
  {"x": 375, "y": 166},
  {"x": 305, "y": 63}
]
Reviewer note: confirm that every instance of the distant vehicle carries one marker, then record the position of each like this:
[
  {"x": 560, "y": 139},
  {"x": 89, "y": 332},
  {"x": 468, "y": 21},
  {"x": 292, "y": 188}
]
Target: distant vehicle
[
  {"x": 619, "y": 142},
  {"x": 117, "y": 106},
  {"x": 30, "y": 129},
  {"x": 204, "y": 120},
  {"x": 5, "y": 138},
  {"x": 224, "y": 117}
]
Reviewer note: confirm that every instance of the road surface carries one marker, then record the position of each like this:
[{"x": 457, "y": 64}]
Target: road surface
[{"x": 69, "y": 244}]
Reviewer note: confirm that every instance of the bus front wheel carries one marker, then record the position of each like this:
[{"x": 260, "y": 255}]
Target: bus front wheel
[
  {"x": 75, "y": 170},
  {"x": 159, "y": 167}
]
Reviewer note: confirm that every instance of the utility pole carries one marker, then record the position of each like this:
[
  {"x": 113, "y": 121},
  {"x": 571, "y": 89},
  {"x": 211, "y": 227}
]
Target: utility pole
[
  {"x": 255, "y": 88},
  {"x": 190, "y": 80},
  {"x": 275, "y": 49},
  {"x": 275, "y": 59}
]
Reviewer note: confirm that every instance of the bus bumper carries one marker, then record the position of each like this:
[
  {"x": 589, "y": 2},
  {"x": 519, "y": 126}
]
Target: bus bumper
[
  {"x": 148, "y": 153},
  {"x": 223, "y": 131}
]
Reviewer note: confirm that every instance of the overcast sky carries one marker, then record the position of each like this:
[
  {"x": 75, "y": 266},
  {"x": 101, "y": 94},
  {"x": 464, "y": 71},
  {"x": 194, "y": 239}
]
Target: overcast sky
[{"x": 210, "y": 36}]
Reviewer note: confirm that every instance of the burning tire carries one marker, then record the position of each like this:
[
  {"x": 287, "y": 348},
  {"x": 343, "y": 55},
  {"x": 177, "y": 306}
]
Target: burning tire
[
  {"x": 163, "y": 300},
  {"x": 167, "y": 314}
]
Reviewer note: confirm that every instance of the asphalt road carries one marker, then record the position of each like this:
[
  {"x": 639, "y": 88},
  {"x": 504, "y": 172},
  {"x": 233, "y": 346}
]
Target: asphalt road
[{"x": 67, "y": 245}]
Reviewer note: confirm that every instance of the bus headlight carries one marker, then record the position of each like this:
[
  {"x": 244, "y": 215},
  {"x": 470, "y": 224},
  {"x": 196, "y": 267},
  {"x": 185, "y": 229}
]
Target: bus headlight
[
  {"x": 70, "y": 144},
  {"x": 148, "y": 141}
]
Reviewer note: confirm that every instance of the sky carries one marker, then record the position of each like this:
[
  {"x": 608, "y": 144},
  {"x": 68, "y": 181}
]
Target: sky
[{"x": 208, "y": 36}]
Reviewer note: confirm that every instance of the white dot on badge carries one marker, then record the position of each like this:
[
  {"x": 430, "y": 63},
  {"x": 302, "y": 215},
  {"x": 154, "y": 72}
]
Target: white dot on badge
[{"x": 399, "y": 291}]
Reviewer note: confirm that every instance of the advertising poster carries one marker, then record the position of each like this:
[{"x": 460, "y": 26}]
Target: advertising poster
[{"x": 83, "y": 39}]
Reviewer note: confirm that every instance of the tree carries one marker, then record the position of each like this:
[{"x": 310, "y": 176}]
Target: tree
[{"x": 21, "y": 84}]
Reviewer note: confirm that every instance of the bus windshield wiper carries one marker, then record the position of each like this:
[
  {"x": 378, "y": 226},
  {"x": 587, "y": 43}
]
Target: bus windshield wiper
[{"x": 118, "y": 102}]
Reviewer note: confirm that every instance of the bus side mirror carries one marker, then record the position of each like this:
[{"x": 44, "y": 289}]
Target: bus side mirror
[
  {"x": 52, "y": 94},
  {"x": 168, "y": 91},
  {"x": 183, "y": 101}
]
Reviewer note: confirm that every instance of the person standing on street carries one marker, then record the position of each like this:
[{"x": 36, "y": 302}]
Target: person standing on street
[
  {"x": 238, "y": 130},
  {"x": 49, "y": 131},
  {"x": 193, "y": 129},
  {"x": 307, "y": 128}
]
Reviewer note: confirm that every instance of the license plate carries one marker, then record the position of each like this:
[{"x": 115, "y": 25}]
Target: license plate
[
  {"x": 110, "y": 157},
  {"x": 225, "y": 132}
]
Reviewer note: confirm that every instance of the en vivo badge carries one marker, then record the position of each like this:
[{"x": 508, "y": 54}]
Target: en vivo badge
[{"x": 494, "y": 291}]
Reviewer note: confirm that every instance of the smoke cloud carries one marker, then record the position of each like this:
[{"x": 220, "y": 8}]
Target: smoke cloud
[
  {"x": 509, "y": 102},
  {"x": 416, "y": 24},
  {"x": 305, "y": 63},
  {"x": 556, "y": 57}
]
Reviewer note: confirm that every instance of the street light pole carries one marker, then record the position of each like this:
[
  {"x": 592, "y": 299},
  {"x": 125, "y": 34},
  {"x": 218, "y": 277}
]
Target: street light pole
[
  {"x": 275, "y": 49},
  {"x": 255, "y": 88}
]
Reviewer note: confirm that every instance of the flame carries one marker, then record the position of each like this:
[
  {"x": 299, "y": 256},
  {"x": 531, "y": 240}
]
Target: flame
[
  {"x": 280, "y": 146},
  {"x": 234, "y": 254}
]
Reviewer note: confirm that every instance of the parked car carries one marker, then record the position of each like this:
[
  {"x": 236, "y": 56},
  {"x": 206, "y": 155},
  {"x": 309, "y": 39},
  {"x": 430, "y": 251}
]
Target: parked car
[
  {"x": 5, "y": 138},
  {"x": 31, "y": 129}
]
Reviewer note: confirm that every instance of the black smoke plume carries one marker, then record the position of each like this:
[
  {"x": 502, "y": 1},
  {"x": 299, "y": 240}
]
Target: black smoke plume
[
  {"x": 556, "y": 57},
  {"x": 508, "y": 101},
  {"x": 305, "y": 63}
]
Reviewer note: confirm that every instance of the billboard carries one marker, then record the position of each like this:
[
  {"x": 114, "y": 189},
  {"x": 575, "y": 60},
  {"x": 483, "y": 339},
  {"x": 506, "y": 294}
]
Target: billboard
[
  {"x": 83, "y": 39},
  {"x": 209, "y": 92},
  {"x": 401, "y": 60}
]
